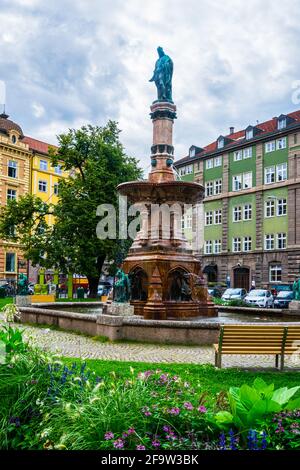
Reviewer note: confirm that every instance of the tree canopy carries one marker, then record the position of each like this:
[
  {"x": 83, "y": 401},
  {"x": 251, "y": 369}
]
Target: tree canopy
[{"x": 97, "y": 163}]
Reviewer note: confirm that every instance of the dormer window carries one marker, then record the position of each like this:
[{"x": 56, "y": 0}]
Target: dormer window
[
  {"x": 281, "y": 124},
  {"x": 220, "y": 142},
  {"x": 14, "y": 139},
  {"x": 192, "y": 152},
  {"x": 249, "y": 134}
]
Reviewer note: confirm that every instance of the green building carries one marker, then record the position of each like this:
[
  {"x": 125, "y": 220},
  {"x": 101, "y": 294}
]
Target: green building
[{"x": 251, "y": 228}]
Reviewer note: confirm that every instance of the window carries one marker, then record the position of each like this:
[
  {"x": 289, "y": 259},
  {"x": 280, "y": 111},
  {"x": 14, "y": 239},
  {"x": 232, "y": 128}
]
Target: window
[
  {"x": 275, "y": 273},
  {"x": 269, "y": 242},
  {"x": 12, "y": 169},
  {"x": 217, "y": 246},
  {"x": 236, "y": 244},
  {"x": 270, "y": 175},
  {"x": 209, "y": 218},
  {"x": 221, "y": 143},
  {"x": 55, "y": 189},
  {"x": 43, "y": 165},
  {"x": 192, "y": 152},
  {"x": 58, "y": 169},
  {"x": 247, "y": 212},
  {"x": 11, "y": 194},
  {"x": 209, "y": 188},
  {"x": 209, "y": 163},
  {"x": 247, "y": 244},
  {"x": 208, "y": 247},
  {"x": 218, "y": 216},
  {"x": 182, "y": 171},
  {"x": 281, "y": 241},
  {"x": 270, "y": 208},
  {"x": 281, "y": 123},
  {"x": 237, "y": 214},
  {"x": 188, "y": 223},
  {"x": 281, "y": 172},
  {"x": 247, "y": 153},
  {"x": 281, "y": 143},
  {"x": 281, "y": 207},
  {"x": 237, "y": 156},
  {"x": 14, "y": 139},
  {"x": 295, "y": 138},
  {"x": 249, "y": 134},
  {"x": 42, "y": 186},
  {"x": 218, "y": 186},
  {"x": 270, "y": 146},
  {"x": 189, "y": 169},
  {"x": 218, "y": 161},
  {"x": 10, "y": 262},
  {"x": 247, "y": 180},
  {"x": 237, "y": 183}
]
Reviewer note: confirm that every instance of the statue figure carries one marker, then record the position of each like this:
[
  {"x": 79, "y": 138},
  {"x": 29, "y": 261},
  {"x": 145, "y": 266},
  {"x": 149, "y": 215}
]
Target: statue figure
[
  {"x": 22, "y": 285},
  {"x": 296, "y": 288},
  {"x": 121, "y": 287},
  {"x": 162, "y": 76},
  {"x": 198, "y": 288}
]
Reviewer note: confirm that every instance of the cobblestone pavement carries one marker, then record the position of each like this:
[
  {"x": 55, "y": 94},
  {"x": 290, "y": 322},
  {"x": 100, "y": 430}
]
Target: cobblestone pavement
[{"x": 73, "y": 345}]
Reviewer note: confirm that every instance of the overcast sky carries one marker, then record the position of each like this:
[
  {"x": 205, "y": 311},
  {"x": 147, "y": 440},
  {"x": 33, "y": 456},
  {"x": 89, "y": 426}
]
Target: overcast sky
[{"x": 68, "y": 63}]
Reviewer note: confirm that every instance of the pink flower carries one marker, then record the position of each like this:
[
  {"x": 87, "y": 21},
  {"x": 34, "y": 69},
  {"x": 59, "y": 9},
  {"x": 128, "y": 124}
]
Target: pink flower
[
  {"x": 131, "y": 431},
  {"x": 119, "y": 444},
  {"x": 108, "y": 436},
  {"x": 140, "y": 447},
  {"x": 188, "y": 406},
  {"x": 155, "y": 443},
  {"x": 174, "y": 411},
  {"x": 202, "y": 409}
]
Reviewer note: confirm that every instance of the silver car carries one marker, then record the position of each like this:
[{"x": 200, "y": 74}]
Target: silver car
[{"x": 234, "y": 294}]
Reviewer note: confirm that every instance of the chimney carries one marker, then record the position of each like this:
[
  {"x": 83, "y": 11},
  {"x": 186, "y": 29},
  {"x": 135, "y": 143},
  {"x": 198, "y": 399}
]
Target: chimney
[{"x": 231, "y": 130}]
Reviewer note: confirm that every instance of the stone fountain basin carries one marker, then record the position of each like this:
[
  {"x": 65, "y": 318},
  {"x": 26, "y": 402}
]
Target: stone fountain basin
[
  {"x": 158, "y": 193},
  {"x": 196, "y": 331}
]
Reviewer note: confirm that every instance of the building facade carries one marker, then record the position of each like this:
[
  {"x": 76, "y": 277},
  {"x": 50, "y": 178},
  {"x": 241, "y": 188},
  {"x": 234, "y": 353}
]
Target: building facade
[
  {"x": 25, "y": 167},
  {"x": 251, "y": 226}
]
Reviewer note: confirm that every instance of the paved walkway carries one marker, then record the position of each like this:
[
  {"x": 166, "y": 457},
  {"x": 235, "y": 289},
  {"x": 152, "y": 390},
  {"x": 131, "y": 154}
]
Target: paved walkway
[{"x": 73, "y": 345}]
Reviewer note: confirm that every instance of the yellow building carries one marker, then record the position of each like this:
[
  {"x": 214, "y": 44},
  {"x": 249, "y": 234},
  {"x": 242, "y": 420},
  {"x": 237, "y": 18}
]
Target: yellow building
[{"x": 25, "y": 167}]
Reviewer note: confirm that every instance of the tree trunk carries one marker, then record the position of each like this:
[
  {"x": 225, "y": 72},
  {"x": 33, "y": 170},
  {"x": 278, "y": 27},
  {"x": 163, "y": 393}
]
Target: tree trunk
[{"x": 93, "y": 286}]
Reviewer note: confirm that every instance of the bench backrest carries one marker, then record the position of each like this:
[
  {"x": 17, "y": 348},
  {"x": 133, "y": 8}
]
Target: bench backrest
[
  {"x": 292, "y": 343},
  {"x": 260, "y": 338}
]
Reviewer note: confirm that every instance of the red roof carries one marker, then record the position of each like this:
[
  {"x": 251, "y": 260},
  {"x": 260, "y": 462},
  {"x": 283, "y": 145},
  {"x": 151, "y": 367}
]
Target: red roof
[
  {"x": 37, "y": 145},
  {"x": 266, "y": 127}
]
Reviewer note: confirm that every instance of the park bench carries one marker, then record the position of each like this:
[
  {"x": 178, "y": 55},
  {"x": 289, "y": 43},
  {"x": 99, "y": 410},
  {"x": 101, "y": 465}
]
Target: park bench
[{"x": 276, "y": 340}]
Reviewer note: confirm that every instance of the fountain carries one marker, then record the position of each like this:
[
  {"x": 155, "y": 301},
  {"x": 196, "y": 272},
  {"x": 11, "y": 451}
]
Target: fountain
[{"x": 166, "y": 277}]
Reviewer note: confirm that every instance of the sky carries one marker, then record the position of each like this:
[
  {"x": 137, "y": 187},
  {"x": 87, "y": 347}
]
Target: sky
[{"x": 70, "y": 63}]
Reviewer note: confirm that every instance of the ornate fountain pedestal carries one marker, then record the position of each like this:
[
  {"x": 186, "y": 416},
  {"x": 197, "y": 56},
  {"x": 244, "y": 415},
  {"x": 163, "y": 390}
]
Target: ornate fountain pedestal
[{"x": 166, "y": 276}]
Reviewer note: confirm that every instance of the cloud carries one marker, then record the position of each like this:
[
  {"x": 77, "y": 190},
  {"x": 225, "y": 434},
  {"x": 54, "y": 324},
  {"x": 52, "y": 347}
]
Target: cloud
[{"x": 67, "y": 63}]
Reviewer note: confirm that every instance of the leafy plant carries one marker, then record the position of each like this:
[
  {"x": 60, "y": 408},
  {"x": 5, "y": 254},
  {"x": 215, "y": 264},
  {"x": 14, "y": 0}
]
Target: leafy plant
[
  {"x": 250, "y": 405},
  {"x": 10, "y": 312},
  {"x": 12, "y": 339}
]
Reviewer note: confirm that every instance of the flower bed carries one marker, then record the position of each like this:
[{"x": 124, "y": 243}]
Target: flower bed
[{"x": 48, "y": 404}]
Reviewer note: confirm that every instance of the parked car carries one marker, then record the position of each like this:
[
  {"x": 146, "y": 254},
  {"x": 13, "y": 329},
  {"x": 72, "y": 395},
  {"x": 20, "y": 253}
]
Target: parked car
[
  {"x": 283, "y": 299},
  {"x": 104, "y": 288},
  {"x": 260, "y": 298},
  {"x": 234, "y": 294},
  {"x": 214, "y": 292}
]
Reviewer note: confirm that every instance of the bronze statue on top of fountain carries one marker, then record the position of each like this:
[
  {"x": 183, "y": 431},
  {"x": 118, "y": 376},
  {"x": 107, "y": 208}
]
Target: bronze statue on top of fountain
[{"x": 162, "y": 76}]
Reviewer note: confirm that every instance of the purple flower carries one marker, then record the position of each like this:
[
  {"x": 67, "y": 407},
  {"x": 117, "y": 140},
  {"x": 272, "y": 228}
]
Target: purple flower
[
  {"x": 155, "y": 443},
  {"x": 146, "y": 411},
  {"x": 131, "y": 431},
  {"x": 188, "y": 406},
  {"x": 119, "y": 444},
  {"x": 140, "y": 447},
  {"x": 174, "y": 411},
  {"x": 108, "y": 436},
  {"x": 202, "y": 409},
  {"x": 166, "y": 428},
  {"x": 124, "y": 435},
  {"x": 222, "y": 441}
]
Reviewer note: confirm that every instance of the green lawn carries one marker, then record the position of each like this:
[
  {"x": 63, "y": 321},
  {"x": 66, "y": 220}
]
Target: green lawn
[
  {"x": 6, "y": 300},
  {"x": 78, "y": 300},
  {"x": 211, "y": 380}
]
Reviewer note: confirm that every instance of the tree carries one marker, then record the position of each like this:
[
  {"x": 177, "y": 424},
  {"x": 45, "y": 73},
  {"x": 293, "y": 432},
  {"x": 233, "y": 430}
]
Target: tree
[{"x": 97, "y": 163}]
